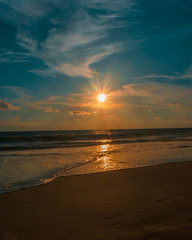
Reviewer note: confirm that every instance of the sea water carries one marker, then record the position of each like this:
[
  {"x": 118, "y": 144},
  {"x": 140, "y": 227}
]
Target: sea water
[{"x": 32, "y": 158}]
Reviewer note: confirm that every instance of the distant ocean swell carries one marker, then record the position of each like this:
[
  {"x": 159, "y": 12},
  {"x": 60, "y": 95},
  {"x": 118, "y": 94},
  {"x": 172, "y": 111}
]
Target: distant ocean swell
[
  {"x": 84, "y": 144},
  {"x": 54, "y": 139}
]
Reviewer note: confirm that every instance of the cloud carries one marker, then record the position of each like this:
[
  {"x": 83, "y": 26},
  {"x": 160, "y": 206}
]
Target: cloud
[
  {"x": 76, "y": 70},
  {"x": 72, "y": 52},
  {"x": 48, "y": 110},
  {"x": 186, "y": 75},
  {"x": 80, "y": 113},
  {"x": 78, "y": 33},
  {"x": 153, "y": 96},
  {"x": 149, "y": 96},
  {"x": 42, "y": 106},
  {"x": 18, "y": 93},
  {"x": 6, "y": 106},
  {"x": 14, "y": 57},
  {"x": 83, "y": 68},
  {"x": 28, "y": 9},
  {"x": 120, "y": 6}
]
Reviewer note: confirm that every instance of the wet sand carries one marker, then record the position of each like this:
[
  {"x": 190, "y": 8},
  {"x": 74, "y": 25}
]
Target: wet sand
[{"x": 145, "y": 203}]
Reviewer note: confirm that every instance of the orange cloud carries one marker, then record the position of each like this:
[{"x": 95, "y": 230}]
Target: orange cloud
[{"x": 80, "y": 113}]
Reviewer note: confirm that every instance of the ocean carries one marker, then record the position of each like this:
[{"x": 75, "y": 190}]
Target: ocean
[{"x": 32, "y": 158}]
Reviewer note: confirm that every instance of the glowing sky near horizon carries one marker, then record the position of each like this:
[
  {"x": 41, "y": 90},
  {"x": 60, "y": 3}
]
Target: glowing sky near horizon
[{"x": 56, "y": 57}]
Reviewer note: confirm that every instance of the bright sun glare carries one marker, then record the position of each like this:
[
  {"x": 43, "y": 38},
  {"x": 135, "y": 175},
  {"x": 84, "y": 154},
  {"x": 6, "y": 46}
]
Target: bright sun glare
[{"x": 101, "y": 97}]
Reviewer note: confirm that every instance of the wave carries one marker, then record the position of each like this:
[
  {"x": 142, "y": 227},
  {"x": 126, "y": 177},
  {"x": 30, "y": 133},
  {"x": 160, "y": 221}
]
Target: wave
[
  {"x": 13, "y": 141},
  {"x": 87, "y": 143},
  {"x": 56, "y": 136}
]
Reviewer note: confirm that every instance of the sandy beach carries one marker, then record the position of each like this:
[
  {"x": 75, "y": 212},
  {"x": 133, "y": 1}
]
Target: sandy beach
[{"x": 152, "y": 202}]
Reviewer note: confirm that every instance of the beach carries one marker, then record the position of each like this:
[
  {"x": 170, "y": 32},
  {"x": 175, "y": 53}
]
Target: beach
[
  {"x": 152, "y": 202},
  {"x": 95, "y": 120}
]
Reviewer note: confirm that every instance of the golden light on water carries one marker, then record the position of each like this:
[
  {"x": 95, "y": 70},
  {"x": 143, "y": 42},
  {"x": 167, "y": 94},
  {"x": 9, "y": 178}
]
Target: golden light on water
[
  {"x": 101, "y": 97},
  {"x": 105, "y": 153}
]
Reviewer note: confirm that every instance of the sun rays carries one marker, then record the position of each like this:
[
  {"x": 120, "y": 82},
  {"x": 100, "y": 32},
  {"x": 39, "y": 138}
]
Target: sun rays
[{"x": 96, "y": 103}]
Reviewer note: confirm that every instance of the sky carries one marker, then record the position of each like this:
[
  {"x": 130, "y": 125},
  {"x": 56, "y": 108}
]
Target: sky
[{"x": 56, "y": 56}]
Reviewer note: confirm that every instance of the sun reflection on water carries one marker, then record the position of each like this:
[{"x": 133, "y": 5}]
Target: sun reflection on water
[
  {"x": 105, "y": 156},
  {"x": 104, "y": 147}
]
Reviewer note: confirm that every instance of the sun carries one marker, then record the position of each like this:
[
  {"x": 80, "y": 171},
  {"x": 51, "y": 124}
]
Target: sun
[{"x": 101, "y": 97}]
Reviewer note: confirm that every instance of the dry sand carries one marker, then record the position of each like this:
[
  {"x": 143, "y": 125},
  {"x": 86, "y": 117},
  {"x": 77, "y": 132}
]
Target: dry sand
[{"x": 145, "y": 203}]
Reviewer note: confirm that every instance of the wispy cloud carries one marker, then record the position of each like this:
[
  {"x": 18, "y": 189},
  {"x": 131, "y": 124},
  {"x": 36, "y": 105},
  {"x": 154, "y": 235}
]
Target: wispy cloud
[
  {"x": 186, "y": 75},
  {"x": 115, "y": 6},
  {"x": 73, "y": 40},
  {"x": 18, "y": 93},
  {"x": 28, "y": 9},
  {"x": 14, "y": 57},
  {"x": 153, "y": 95},
  {"x": 83, "y": 68},
  {"x": 47, "y": 108}
]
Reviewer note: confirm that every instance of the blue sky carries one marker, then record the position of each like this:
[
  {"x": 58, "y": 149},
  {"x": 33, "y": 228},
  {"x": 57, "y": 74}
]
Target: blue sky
[{"x": 56, "y": 56}]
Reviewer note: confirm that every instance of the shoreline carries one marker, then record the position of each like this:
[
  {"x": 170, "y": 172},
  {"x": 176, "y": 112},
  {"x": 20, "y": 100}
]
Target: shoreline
[
  {"x": 149, "y": 202},
  {"x": 78, "y": 175},
  {"x": 57, "y": 177}
]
